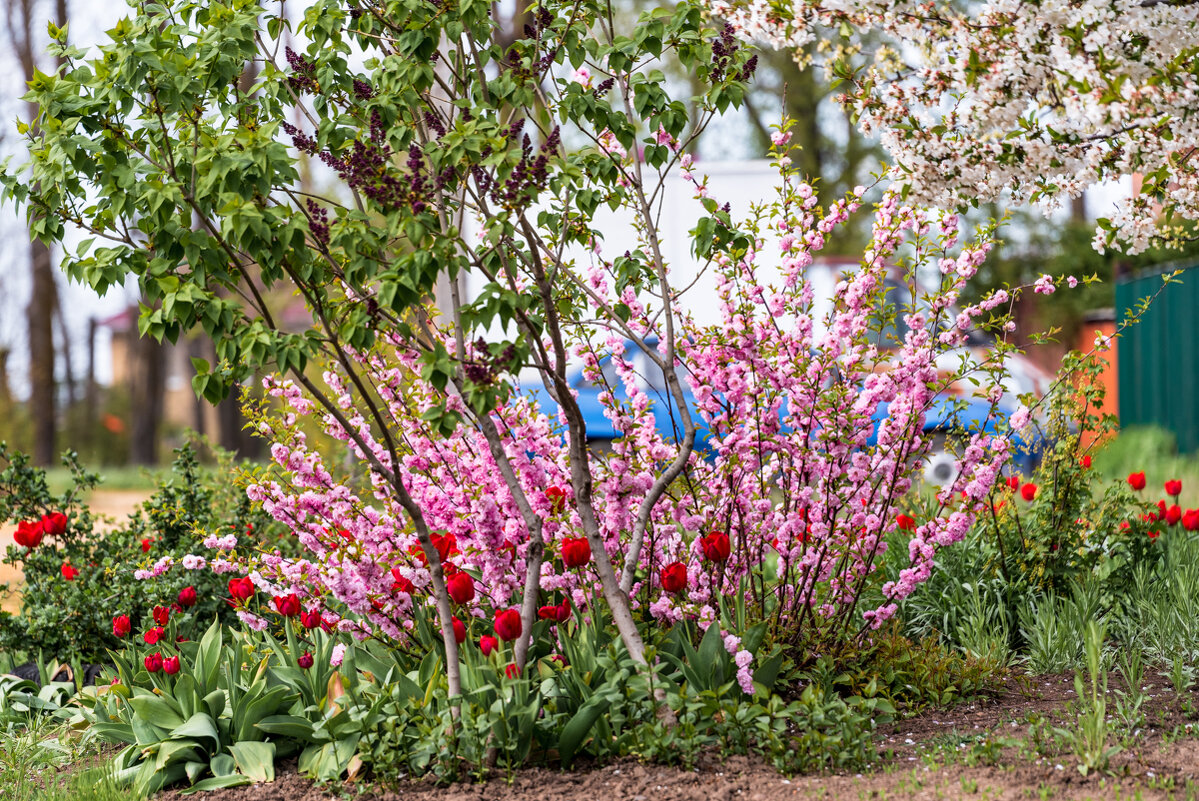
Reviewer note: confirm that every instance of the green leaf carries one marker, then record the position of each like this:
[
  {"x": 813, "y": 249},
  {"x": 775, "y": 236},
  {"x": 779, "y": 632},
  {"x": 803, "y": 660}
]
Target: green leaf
[
  {"x": 292, "y": 726},
  {"x": 256, "y": 760},
  {"x": 156, "y": 710},
  {"x": 575, "y": 732},
  {"x": 711, "y": 656},
  {"x": 223, "y": 765},
  {"x": 173, "y": 752},
  {"x": 195, "y": 770},
  {"x": 199, "y": 726},
  {"x": 217, "y": 783},
  {"x": 208, "y": 661}
]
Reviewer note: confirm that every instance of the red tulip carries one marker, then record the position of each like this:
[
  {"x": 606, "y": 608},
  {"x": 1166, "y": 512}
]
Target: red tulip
[
  {"x": 1174, "y": 487},
  {"x": 1153, "y": 534},
  {"x": 507, "y": 624},
  {"x": 1013, "y": 483},
  {"x": 557, "y": 497},
  {"x": 576, "y": 552},
  {"x": 120, "y": 626},
  {"x": 905, "y": 523},
  {"x": 153, "y": 662},
  {"x": 146, "y": 543},
  {"x": 170, "y": 665},
  {"x": 487, "y": 644},
  {"x": 29, "y": 534},
  {"x": 311, "y": 620},
  {"x": 557, "y": 613},
  {"x": 512, "y": 671},
  {"x": 152, "y": 636},
  {"x": 304, "y": 660},
  {"x": 1028, "y": 491},
  {"x": 716, "y": 547},
  {"x": 1190, "y": 519},
  {"x": 459, "y": 631},
  {"x": 400, "y": 583},
  {"x": 187, "y": 596},
  {"x": 162, "y": 615},
  {"x": 446, "y": 545},
  {"x": 1137, "y": 480},
  {"x": 68, "y": 572},
  {"x": 1085, "y": 462},
  {"x": 241, "y": 588},
  {"x": 461, "y": 588},
  {"x": 287, "y": 605},
  {"x": 1174, "y": 515},
  {"x": 674, "y": 577},
  {"x": 54, "y": 524}
]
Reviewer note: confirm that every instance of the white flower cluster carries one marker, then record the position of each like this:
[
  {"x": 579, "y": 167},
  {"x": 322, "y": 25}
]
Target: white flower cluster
[{"x": 1038, "y": 98}]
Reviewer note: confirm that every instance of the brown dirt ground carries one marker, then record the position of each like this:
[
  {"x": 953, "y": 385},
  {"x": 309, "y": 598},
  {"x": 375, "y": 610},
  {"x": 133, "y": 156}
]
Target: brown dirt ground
[
  {"x": 116, "y": 504},
  {"x": 982, "y": 750}
]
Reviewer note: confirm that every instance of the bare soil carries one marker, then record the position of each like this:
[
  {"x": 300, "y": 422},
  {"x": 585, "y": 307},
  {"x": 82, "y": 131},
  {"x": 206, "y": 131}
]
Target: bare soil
[{"x": 997, "y": 748}]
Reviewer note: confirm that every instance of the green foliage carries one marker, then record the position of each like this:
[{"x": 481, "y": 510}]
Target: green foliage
[
  {"x": 220, "y": 721},
  {"x": 1156, "y": 617},
  {"x": 591, "y": 702},
  {"x": 1032, "y": 574},
  {"x": 71, "y": 619},
  {"x": 1088, "y": 737},
  {"x": 910, "y": 676}
]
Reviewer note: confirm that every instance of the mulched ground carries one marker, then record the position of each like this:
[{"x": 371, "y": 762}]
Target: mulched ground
[{"x": 986, "y": 750}]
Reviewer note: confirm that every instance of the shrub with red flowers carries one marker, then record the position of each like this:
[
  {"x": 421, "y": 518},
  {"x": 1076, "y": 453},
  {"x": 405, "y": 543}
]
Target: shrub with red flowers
[{"x": 82, "y": 593}]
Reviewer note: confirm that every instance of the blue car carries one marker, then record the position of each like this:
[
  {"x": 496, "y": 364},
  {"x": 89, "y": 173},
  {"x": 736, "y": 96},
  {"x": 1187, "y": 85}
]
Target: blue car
[{"x": 947, "y": 420}]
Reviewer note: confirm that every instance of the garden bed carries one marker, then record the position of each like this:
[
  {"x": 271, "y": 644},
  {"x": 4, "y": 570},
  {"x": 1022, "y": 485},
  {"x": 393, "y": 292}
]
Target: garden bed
[{"x": 995, "y": 748}]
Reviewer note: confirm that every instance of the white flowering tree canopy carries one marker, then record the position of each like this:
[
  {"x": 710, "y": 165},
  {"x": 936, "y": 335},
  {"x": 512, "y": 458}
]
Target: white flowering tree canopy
[{"x": 1037, "y": 98}]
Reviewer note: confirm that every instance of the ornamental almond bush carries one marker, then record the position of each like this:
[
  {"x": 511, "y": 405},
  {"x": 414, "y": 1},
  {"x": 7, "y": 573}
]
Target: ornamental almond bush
[{"x": 786, "y": 514}]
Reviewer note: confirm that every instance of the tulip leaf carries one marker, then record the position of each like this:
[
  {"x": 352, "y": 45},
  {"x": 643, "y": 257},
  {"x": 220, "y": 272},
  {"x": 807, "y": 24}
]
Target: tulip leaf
[
  {"x": 574, "y": 733},
  {"x": 217, "y": 783},
  {"x": 710, "y": 659},
  {"x": 157, "y": 710},
  {"x": 223, "y": 765},
  {"x": 287, "y": 726},
  {"x": 199, "y": 726},
  {"x": 255, "y": 759}
]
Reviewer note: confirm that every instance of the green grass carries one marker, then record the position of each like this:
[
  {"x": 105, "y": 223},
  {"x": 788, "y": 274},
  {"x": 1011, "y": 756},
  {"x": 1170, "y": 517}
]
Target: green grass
[
  {"x": 94, "y": 784},
  {"x": 43, "y": 759},
  {"x": 112, "y": 478}
]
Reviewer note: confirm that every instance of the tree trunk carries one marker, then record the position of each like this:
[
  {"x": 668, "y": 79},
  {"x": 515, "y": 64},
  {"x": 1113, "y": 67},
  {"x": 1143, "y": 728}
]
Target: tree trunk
[
  {"x": 40, "y": 316},
  {"x": 147, "y": 398},
  {"x": 68, "y": 368},
  {"x": 91, "y": 399}
]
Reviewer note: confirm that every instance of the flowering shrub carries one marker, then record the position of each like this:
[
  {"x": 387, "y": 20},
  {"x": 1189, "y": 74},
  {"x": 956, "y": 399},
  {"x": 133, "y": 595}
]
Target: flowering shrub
[
  {"x": 975, "y": 102},
  {"x": 791, "y": 400},
  {"x": 81, "y": 594}
]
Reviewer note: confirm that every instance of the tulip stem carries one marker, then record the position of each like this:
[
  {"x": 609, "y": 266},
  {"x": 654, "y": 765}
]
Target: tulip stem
[{"x": 999, "y": 541}]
